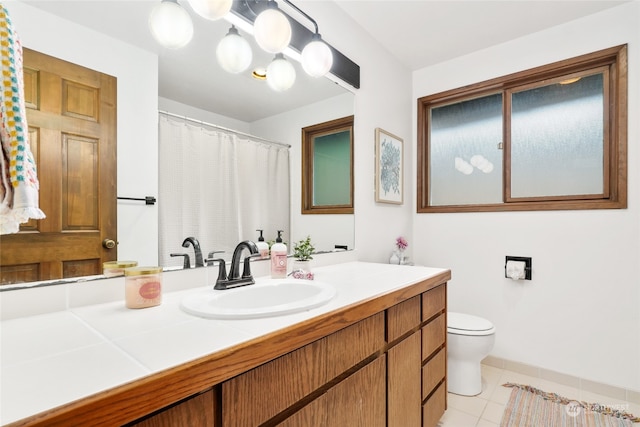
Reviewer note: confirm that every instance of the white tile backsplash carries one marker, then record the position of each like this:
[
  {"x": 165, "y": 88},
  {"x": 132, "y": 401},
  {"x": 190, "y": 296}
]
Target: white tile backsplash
[{"x": 33, "y": 301}]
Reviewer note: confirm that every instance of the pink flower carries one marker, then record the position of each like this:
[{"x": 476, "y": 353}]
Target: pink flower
[{"x": 401, "y": 243}]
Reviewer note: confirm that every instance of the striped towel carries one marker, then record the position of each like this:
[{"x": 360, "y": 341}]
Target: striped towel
[{"x": 19, "y": 181}]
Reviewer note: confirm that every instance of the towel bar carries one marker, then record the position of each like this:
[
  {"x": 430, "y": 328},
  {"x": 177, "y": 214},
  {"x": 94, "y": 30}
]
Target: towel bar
[{"x": 149, "y": 200}]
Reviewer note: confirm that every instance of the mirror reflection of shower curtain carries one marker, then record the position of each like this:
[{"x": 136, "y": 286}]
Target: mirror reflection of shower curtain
[{"x": 218, "y": 187}]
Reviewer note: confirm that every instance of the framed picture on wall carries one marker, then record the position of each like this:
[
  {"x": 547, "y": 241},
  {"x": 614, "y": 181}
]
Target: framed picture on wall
[{"x": 389, "y": 168}]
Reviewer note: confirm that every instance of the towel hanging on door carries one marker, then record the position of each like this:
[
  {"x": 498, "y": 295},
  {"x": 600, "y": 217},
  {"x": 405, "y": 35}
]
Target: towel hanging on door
[{"x": 19, "y": 186}]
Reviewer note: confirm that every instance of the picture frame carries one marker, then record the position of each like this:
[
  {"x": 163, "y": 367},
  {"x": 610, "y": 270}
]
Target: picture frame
[{"x": 389, "y": 169}]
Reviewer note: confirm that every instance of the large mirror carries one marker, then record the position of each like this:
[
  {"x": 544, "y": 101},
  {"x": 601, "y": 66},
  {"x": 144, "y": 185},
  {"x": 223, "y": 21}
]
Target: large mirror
[{"x": 190, "y": 84}]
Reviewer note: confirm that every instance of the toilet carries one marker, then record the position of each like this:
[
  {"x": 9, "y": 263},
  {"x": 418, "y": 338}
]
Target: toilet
[{"x": 469, "y": 340}]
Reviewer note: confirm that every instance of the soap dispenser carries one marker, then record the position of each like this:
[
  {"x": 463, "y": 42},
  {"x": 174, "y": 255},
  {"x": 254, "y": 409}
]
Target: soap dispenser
[
  {"x": 279, "y": 258},
  {"x": 263, "y": 247}
]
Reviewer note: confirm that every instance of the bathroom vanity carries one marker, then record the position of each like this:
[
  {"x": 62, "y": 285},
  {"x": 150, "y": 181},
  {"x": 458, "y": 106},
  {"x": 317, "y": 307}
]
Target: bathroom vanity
[{"x": 373, "y": 356}]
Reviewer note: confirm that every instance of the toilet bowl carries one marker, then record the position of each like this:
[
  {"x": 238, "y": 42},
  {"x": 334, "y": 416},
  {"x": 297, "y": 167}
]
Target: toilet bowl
[{"x": 469, "y": 340}]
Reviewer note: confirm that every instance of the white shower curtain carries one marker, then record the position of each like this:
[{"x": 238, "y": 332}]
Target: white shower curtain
[{"x": 218, "y": 187}]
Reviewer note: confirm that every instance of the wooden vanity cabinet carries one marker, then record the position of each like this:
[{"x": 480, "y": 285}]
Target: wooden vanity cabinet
[
  {"x": 416, "y": 373},
  {"x": 388, "y": 369},
  {"x": 434, "y": 355},
  {"x": 379, "y": 363}
]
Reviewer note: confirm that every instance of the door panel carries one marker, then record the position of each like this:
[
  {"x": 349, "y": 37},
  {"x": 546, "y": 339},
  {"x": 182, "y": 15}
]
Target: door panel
[{"x": 71, "y": 112}]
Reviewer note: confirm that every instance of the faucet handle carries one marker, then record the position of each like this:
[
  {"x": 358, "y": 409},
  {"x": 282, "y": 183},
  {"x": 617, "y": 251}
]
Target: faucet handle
[
  {"x": 222, "y": 273},
  {"x": 246, "y": 269},
  {"x": 210, "y": 258},
  {"x": 186, "y": 262}
]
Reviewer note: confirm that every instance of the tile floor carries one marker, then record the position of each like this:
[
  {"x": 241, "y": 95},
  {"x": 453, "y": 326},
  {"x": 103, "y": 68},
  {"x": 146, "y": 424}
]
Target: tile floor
[{"x": 485, "y": 410}]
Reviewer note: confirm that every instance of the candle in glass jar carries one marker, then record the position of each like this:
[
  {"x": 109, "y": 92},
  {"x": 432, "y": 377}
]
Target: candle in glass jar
[
  {"x": 143, "y": 286},
  {"x": 116, "y": 268}
]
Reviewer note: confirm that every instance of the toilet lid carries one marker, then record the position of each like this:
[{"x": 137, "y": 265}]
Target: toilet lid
[{"x": 466, "y": 324}]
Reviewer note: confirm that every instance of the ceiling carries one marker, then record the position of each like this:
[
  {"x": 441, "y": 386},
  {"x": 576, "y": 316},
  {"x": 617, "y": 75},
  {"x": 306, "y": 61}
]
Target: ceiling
[{"x": 418, "y": 33}]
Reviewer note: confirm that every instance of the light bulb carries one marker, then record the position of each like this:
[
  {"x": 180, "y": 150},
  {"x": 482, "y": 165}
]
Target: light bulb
[
  {"x": 211, "y": 9},
  {"x": 170, "y": 24},
  {"x": 280, "y": 74},
  {"x": 317, "y": 58},
  {"x": 272, "y": 30},
  {"x": 233, "y": 52}
]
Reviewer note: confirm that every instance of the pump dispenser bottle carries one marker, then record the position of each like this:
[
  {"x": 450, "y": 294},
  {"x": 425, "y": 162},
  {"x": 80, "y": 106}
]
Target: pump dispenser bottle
[
  {"x": 263, "y": 247},
  {"x": 279, "y": 258}
]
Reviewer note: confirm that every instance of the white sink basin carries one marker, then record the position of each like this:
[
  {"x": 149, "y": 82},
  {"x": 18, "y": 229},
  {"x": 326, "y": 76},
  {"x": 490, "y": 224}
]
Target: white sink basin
[{"x": 271, "y": 297}]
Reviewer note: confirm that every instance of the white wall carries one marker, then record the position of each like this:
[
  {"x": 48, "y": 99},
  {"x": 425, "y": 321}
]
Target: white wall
[
  {"x": 325, "y": 230},
  {"x": 383, "y": 100},
  {"x": 579, "y": 315},
  {"x": 136, "y": 71}
]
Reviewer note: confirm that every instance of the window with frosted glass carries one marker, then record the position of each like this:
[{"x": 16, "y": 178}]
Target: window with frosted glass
[
  {"x": 557, "y": 139},
  {"x": 331, "y": 169},
  {"x": 552, "y": 137},
  {"x": 466, "y": 159}
]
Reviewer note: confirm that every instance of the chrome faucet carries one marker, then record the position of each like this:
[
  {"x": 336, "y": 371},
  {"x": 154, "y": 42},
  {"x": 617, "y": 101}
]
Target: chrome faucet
[
  {"x": 196, "y": 248},
  {"x": 234, "y": 279}
]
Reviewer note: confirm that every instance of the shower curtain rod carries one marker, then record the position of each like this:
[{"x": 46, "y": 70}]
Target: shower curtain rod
[{"x": 200, "y": 122}]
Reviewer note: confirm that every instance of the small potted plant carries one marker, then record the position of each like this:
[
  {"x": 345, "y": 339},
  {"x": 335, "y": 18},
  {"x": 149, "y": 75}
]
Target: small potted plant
[{"x": 302, "y": 252}]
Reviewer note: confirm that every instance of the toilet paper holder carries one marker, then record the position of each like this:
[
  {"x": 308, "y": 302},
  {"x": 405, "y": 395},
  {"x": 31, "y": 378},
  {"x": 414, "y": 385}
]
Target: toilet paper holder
[{"x": 527, "y": 266}]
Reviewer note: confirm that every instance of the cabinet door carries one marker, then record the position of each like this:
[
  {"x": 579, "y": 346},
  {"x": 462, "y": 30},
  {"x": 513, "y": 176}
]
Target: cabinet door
[
  {"x": 263, "y": 393},
  {"x": 404, "y": 383},
  {"x": 197, "y": 411},
  {"x": 358, "y": 401}
]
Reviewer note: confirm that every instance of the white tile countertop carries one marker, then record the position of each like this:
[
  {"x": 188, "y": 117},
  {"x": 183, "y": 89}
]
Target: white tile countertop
[{"x": 51, "y": 359}]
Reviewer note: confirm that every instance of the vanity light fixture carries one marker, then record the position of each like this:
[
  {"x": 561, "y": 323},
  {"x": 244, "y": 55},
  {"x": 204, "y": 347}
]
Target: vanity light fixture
[
  {"x": 272, "y": 29},
  {"x": 233, "y": 52},
  {"x": 211, "y": 9},
  {"x": 317, "y": 58},
  {"x": 280, "y": 74},
  {"x": 170, "y": 24}
]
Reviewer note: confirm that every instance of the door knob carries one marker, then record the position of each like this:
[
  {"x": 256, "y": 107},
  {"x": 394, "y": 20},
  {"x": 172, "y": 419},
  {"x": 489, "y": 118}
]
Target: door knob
[{"x": 108, "y": 243}]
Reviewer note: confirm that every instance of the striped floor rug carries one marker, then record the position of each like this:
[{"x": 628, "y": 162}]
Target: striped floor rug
[{"x": 530, "y": 407}]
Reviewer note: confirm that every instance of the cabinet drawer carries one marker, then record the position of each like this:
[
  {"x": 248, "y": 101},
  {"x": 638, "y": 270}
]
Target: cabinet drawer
[
  {"x": 197, "y": 411},
  {"x": 434, "y": 408},
  {"x": 434, "y": 302},
  {"x": 433, "y": 335},
  {"x": 434, "y": 372},
  {"x": 256, "y": 396},
  {"x": 358, "y": 400},
  {"x": 403, "y": 317}
]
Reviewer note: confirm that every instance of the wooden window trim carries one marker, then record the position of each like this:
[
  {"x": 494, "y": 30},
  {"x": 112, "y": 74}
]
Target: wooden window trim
[
  {"x": 615, "y": 130},
  {"x": 308, "y": 135}
]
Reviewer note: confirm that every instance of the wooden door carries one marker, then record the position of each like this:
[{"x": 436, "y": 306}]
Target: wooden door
[{"x": 71, "y": 113}]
